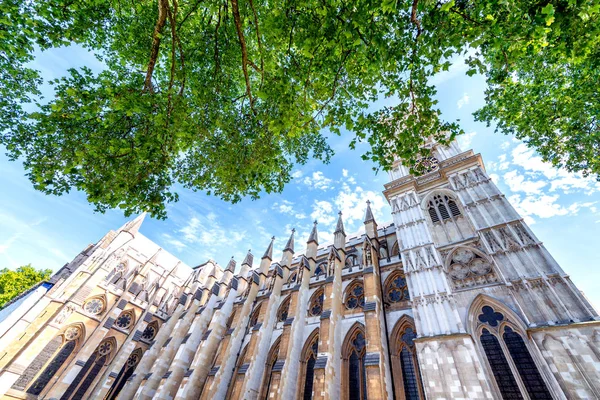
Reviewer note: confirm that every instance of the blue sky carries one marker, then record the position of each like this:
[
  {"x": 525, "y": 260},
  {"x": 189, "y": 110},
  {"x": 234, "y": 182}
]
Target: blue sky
[{"x": 563, "y": 209}]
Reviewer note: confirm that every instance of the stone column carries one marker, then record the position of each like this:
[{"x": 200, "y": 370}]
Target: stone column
[
  {"x": 289, "y": 374},
  {"x": 152, "y": 354},
  {"x": 257, "y": 359}
]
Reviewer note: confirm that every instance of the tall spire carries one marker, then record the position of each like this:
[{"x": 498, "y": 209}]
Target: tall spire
[
  {"x": 339, "y": 228},
  {"x": 369, "y": 214},
  {"x": 313, "y": 234},
  {"x": 231, "y": 265},
  {"x": 269, "y": 251},
  {"x": 134, "y": 225},
  {"x": 290, "y": 243},
  {"x": 249, "y": 259}
]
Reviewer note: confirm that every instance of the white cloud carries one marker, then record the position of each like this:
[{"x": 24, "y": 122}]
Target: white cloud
[
  {"x": 297, "y": 174},
  {"x": 559, "y": 179},
  {"x": 517, "y": 183},
  {"x": 464, "y": 141},
  {"x": 344, "y": 172},
  {"x": 178, "y": 244},
  {"x": 323, "y": 212},
  {"x": 317, "y": 181},
  {"x": 462, "y": 101}
]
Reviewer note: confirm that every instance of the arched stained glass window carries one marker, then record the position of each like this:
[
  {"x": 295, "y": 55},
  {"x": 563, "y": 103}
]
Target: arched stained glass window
[
  {"x": 525, "y": 365},
  {"x": 49, "y": 361},
  {"x": 320, "y": 270},
  {"x": 271, "y": 360},
  {"x": 355, "y": 296},
  {"x": 496, "y": 327},
  {"x": 125, "y": 373},
  {"x": 396, "y": 289},
  {"x": 442, "y": 207},
  {"x": 310, "y": 358},
  {"x": 282, "y": 313},
  {"x": 353, "y": 356},
  {"x": 150, "y": 331},
  {"x": 405, "y": 366},
  {"x": 316, "y": 304},
  {"x": 504, "y": 377},
  {"x": 86, "y": 376},
  {"x": 255, "y": 315},
  {"x": 125, "y": 320}
]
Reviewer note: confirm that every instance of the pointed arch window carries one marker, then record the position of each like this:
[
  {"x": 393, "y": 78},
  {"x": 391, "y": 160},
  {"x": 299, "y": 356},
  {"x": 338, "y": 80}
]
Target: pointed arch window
[
  {"x": 509, "y": 358},
  {"x": 271, "y": 360},
  {"x": 292, "y": 278},
  {"x": 49, "y": 361},
  {"x": 396, "y": 288},
  {"x": 405, "y": 366},
  {"x": 284, "y": 308},
  {"x": 315, "y": 308},
  {"x": 254, "y": 316},
  {"x": 355, "y": 295},
  {"x": 353, "y": 359},
  {"x": 311, "y": 351},
  {"x": 126, "y": 320},
  {"x": 95, "y": 305},
  {"x": 320, "y": 270},
  {"x": 92, "y": 368},
  {"x": 442, "y": 207},
  {"x": 150, "y": 332},
  {"x": 125, "y": 373}
]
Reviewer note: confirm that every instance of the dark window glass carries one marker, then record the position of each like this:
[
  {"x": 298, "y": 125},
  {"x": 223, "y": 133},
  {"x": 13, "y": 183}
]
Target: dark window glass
[
  {"x": 310, "y": 374},
  {"x": 121, "y": 379},
  {"x": 499, "y": 364},
  {"x": 79, "y": 377},
  {"x": 489, "y": 316},
  {"x": 38, "y": 363},
  {"x": 355, "y": 381},
  {"x": 535, "y": 385},
  {"x": 89, "y": 379},
  {"x": 411, "y": 385},
  {"x": 453, "y": 208},
  {"x": 58, "y": 360},
  {"x": 433, "y": 213}
]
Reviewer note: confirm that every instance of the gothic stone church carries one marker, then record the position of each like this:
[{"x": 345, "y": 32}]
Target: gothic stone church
[{"x": 457, "y": 299}]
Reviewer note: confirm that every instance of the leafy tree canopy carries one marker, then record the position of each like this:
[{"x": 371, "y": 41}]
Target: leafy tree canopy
[
  {"x": 15, "y": 282},
  {"x": 226, "y": 95}
]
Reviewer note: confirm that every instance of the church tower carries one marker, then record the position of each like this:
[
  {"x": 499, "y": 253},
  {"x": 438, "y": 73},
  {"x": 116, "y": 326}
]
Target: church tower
[{"x": 495, "y": 315}]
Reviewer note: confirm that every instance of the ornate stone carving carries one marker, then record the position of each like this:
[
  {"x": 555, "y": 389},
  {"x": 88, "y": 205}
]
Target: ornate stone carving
[{"x": 467, "y": 269}]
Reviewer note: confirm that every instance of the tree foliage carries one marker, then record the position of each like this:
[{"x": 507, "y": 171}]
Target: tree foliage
[
  {"x": 226, "y": 95},
  {"x": 15, "y": 282}
]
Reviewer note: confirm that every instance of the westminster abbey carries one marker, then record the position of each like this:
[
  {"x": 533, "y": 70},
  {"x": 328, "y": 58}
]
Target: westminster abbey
[{"x": 456, "y": 299}]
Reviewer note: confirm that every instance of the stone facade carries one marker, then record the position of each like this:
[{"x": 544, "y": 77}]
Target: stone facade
[{"x": 456, "y": 299}]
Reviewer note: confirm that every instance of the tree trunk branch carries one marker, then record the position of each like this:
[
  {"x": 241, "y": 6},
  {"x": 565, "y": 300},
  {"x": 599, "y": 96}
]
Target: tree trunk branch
[{"x": 160, "y": 23}]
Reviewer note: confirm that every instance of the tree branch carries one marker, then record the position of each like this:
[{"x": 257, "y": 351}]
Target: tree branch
[
  {"x": 238, "y": 27},
  {"x": 160, "y": 23}
]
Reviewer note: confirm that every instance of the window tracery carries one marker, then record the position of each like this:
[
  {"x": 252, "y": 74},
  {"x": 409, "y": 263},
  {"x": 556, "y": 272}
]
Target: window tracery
[
  {"x": 467, "y": 268},
  {"x": 502, "y": 342},
  {"x": 292, "y": 278},
  {"x": 92, "y": 368},
  {"x": 405, "y": 365},
  {"x": 442, "y": 207},
  {"x": 254, "y": 316},
  {"x": 396, "y": 289},
  {"x": 282, "y": 313},
  {"x": 94, "y": 306},
  {"x": 49, "y": 361},
  {"x": 311, "y": 351},
  {"x": 125, "y": 320},
  {"x": 125, "y": 373},
  {"x": 315, "y": 308},
  {"x": 320, "y": 270},
  {"x": 355, "y": 296},
  {"x": 150, "y": 332},
  {"x": 353, "y": 358}
]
